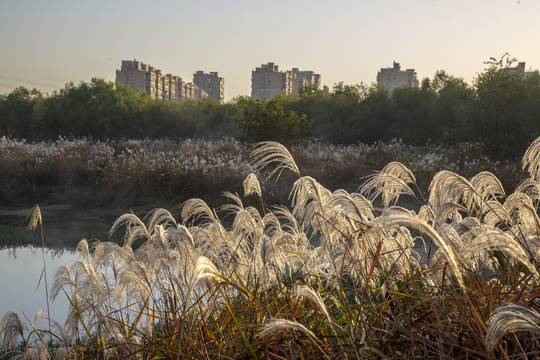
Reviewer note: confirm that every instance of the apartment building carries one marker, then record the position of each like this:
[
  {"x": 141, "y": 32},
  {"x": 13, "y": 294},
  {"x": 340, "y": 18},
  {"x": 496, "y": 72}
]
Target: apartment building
[
  {"x": 267, "y": 81},
  {"x": 212, "y": 84},
  {"x": 159, "y": 84},
  {"x": 394, "y": 77},
  {"x": 520, "y": 68},
  {"x": 301, "y": 79},
  {"x": 150, "y": 80}
]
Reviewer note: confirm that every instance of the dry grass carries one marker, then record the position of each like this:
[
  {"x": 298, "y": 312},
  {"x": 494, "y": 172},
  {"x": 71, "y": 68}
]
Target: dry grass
[
  {"x": 332, "y": 276},
  {"x": 144, "y": 174}
]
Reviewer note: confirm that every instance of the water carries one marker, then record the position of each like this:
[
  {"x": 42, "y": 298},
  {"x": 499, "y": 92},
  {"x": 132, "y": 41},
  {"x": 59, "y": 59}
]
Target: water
[{"x": 20, "y": 272}]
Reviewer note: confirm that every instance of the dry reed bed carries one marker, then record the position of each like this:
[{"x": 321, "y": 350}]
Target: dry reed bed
[
  {"x": 163, "y": 172},
  {"x": 131, "y": 172},
  {"x": 260, "y": 288}
]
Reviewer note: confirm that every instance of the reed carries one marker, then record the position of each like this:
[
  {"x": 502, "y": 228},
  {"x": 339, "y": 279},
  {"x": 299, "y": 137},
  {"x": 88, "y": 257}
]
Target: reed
[{"x": 332, "y": 276}]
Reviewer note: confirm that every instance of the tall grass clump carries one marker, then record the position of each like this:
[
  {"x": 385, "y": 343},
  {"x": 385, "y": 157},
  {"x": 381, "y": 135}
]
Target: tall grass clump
[{"x": 337, "y": 274}]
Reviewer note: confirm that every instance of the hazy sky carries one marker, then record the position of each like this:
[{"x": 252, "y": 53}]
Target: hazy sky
[{"x": 47, "y": 43}]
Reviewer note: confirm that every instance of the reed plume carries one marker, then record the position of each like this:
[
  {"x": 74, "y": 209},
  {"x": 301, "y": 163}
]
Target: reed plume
[
  {"x": 11, "y": 327},
  {"x": 508, "y": 319},
  {"x": 389, "y": 183},
  {"x": 252, "y": 186},
  {"x": 274, "y": 325},
  {"x": 271, "y": 152},
  {"x": 531, "y": 160}
]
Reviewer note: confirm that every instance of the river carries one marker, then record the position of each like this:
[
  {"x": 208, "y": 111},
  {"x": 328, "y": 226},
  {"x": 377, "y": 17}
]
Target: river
[{"x": 20, "y": 270}]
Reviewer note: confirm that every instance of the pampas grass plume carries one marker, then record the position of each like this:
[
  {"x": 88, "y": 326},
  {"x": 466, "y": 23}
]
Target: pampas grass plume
[{"x": 274, "y": 325}]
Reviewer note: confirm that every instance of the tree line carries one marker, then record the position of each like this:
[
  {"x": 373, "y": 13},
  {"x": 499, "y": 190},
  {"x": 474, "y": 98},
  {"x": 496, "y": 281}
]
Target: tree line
[{"x": 500, "y": 109}]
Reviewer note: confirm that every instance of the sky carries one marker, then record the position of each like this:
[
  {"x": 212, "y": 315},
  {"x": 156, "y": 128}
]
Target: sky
[{"x": 46, "y": 44}]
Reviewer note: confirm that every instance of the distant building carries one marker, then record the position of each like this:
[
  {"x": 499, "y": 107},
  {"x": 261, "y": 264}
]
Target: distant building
[
  {"x": 159, "y": 84},
  {"x": 212, "y": 84},
  {"x": 170, "y": 86},
  {"x": 394, "y": 77},
  {"x": 150, "y": 80},
  {"x": 521, "y": 69},
  {"x": 268, "y": 81},
  {"x": 301, "y": 79}
]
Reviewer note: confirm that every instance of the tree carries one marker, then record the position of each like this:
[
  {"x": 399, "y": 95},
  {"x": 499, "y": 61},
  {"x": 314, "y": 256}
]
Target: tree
[
  {"x": 84, "y": 110},
  {"x": 507, "y": 107},
  {"x": 257, "y": 120},
  {"x": 378, "y": 116},
  {"x": 412, "y": 111},
  {"x": 352, "y": 91},
  {"x": 454, "y": 106},
  {"x": 17, "y": 113},
  {"x": 312, "y": 91}
]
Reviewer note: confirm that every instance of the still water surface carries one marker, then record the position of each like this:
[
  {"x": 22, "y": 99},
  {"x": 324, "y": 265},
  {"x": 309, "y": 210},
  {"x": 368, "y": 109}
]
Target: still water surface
[{"x": 20, "y": 271}]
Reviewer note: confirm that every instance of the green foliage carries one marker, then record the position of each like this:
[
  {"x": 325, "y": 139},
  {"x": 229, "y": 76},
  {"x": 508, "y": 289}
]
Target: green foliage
[
  {"x": 351, "y": 92},
  {"x": 507, "y": 107},
  {"x": 103, "y": 110},
  {"x": 378, "y": 119},
  {"x": 97, "y": 109},
  {"x": 17, "y": 113},
  {"x": 412, "y": 114},
  {"x": 258, "y": 120},
  {"x": 455, "y": 100},
  {"x": 345, "y": 115}
]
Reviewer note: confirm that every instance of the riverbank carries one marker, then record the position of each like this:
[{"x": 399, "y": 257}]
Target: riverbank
[{"x": 82, "y": 186}]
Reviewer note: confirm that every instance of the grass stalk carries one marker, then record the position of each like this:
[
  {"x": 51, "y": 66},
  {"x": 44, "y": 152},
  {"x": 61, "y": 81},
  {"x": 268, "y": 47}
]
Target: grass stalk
[{"x": 35, "y": 218}]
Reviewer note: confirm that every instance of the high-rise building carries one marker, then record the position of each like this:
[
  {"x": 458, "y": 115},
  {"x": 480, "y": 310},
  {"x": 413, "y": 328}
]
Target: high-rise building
[
  {"x": 394, "y": 77},
  {"x": 169, "y": 87},
  {"x": 301, "y": 79},
  {"x": 268, "y": 81},
  {"x": 159, "y": 84},
  {"x": 212, "y": 84},
  {"x": 150, "y": 80}
]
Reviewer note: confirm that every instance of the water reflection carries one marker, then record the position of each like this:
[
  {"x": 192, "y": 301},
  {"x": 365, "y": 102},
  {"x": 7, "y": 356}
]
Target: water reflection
[
  {"x": 53, "y": 253},
  {"x": 21, "y": 289}
]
